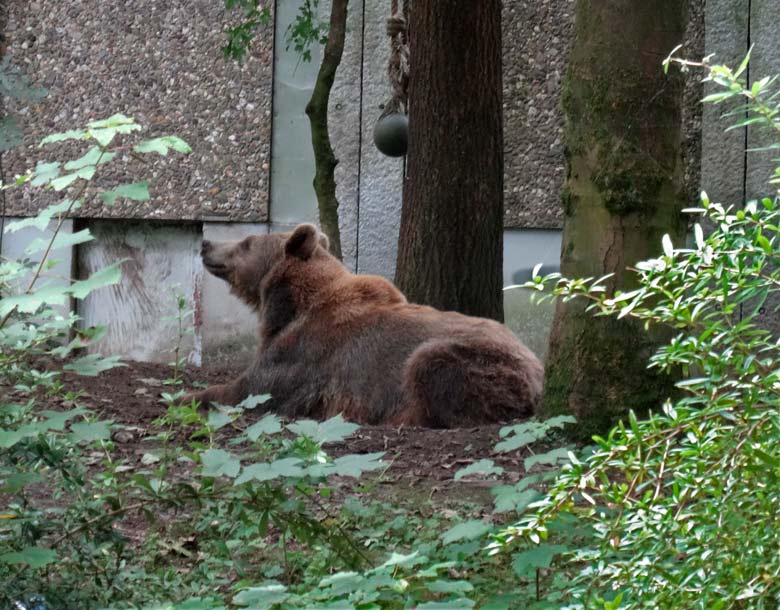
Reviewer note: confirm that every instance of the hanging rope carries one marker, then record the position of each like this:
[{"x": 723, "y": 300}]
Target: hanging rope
[{"x": 398, "y": 66}]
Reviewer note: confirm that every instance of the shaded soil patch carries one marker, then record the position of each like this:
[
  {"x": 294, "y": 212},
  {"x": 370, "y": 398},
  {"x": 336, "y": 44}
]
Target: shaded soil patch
[{"x": 421, "y": 460}]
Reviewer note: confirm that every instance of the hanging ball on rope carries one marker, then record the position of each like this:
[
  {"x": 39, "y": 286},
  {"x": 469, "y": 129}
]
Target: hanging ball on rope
[{"x": 391, "y": 134}]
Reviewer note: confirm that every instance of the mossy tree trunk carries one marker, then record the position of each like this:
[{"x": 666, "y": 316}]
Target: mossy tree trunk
[
  {"x": 325, "y": 160},
  {"x": 450, "y": 243},
  {"x": 623, "y": 192}
]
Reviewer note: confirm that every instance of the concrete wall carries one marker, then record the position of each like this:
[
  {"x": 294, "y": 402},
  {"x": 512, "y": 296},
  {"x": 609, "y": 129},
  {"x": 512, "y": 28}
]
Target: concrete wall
[{"x": 161, "y": 262}]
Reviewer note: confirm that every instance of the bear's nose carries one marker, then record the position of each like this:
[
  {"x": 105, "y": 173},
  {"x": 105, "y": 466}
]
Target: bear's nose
[{"x": 205, "y": 246}]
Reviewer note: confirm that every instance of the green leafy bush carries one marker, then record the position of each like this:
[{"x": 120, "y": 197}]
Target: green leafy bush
[
  {"x": 684, "y": 504},
  {"x": 31, "y": 325},
  {"x": 83, "y": 525}
]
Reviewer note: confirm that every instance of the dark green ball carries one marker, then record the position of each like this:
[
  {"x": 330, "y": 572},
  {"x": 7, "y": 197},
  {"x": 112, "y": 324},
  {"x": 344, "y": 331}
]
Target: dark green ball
[{"x": 391, "y": 134}]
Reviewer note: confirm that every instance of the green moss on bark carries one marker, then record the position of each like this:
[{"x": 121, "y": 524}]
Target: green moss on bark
[
  {"x": 622, "y": 193},
  {"x": 628, "y": 181},
  {"x": 601, "y": 372}
]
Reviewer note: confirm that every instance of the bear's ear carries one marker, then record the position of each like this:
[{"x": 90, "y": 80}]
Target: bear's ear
[
  {"x": 303, "y": 241},
  {"x": 325, "y": 242}
]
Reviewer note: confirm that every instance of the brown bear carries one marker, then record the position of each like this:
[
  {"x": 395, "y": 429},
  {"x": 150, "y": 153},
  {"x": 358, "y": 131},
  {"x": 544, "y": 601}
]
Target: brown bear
[{"x": 335, "y": 342}]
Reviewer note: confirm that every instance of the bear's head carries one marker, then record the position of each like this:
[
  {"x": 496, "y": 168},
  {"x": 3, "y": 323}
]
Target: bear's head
[{"x": 247, "y": 263}]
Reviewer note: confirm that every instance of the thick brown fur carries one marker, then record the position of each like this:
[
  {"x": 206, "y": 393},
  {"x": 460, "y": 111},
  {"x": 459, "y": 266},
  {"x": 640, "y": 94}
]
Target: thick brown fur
[{"x": 334, "y": 342}]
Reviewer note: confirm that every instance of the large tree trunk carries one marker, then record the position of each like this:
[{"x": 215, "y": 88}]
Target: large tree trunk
[
  {"x": 325, "y": 160},
  {"x": 623, "y": 192},
  {"x": 450, "y": 246}
]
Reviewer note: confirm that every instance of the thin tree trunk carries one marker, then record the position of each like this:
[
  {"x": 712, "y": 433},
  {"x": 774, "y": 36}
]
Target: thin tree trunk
[
  {"x": 317, "y": 110},
  {"x": 624, "y": 190},
  {"x": 450, "y": 246}
]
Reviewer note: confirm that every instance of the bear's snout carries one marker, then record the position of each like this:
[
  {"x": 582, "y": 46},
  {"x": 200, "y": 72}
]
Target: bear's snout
[{"x": 214, "y": 258}]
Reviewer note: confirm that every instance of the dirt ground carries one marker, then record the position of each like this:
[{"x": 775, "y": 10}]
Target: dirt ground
[{"x": 421, "y": 459}]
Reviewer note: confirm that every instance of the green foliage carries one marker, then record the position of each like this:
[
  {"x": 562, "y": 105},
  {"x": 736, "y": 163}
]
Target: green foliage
[
  {"x": 240, "y": 503},
  {"x": 436, "y": 561},
  {"x": 302, "y": 34},
  {"x": 307, "y": 30},
  {"x": 683, "y": 504},
  {"x": 30, "y": 324},
  {"x": 254, "y": 14},
  {"x": 46, "y": 455},
  {"x": 183, "y": 318}
]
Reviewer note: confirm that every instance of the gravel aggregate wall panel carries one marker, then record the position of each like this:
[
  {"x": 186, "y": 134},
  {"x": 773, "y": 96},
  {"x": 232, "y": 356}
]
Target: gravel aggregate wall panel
[
  {"x": 536, "y": 40},
  {"x": 764, "y": 62},
  {"x": 723, "y": 152},
  {"x": 161, "y": 63}
]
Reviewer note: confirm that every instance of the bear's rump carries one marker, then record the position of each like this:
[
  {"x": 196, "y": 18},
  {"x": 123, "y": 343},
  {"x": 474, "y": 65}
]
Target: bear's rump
[{"x": 451, "y": 383}]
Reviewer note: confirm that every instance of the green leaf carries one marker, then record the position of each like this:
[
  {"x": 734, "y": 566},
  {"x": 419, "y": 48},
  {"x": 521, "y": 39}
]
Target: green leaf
[
  {"x": 104, "y": 137},
  {"x": 763, "y": 243},
  {"x": 137, "y": 191},
  {"x": 349, "y": 581},
  {"x": 43, "y": 218},
  {"x": 105, "y": 130},
  {"x": 541, "y": 556},
  {"x": 559, "y": 421},
  {"x": 668, "y": 247},
  {"x": 338, "y": 604},
  {"x": 118, "y": 120},
  {"x": 517, "y": 441},
  {"x": 354, "y": 465},
  {"x": 743, "y": 66},
  {"x": 163, "y": 145},
  {"x": 63, "y": 182},
  {"x": 73, "y": 134},
  {"x": 33, "y": 556},
  {"x": 251, "y": 402},
  {"x": 89, "y": 432},
  {"x": 486, "y": 467},
  {"x": 718, "y": 97},
  {"x": 62, "y": 240},
  {"x": 219, "y": 419},
  {"x": 332, "y": 430},
  {"x": 455, "y": 604},
  {"x": 449, "y": 586},
  {"x": 504, "y": 601},
  {"x": 509, "y": 498},
  {"x": 94, "y": 156},
  {"x": 218, "y": 463},
  {"x": 194, "y": 603},
  {"x": 270, "y": 424},
  {"x": 17, "y": 481},
  {"x": 9, "y": 438},
  {"x": 56, "y": 420},
  {"x": 45, "y": 173},
  {"x": 768, "y": 459},
  {"x": 261, "y": 598},
  {"x": 405, "y": 561},
  {"x": 551, "y": 458},
  {"x": 93, "y": 364},
  {"x": 105, "y": 277},
  {"x": 469, "y": 530},
  {"x": 286, "y": 467},
  {"x": 29, "y": 303}
]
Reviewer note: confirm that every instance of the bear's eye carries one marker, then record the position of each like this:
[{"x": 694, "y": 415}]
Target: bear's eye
[{"x": 244, "y": 245}]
